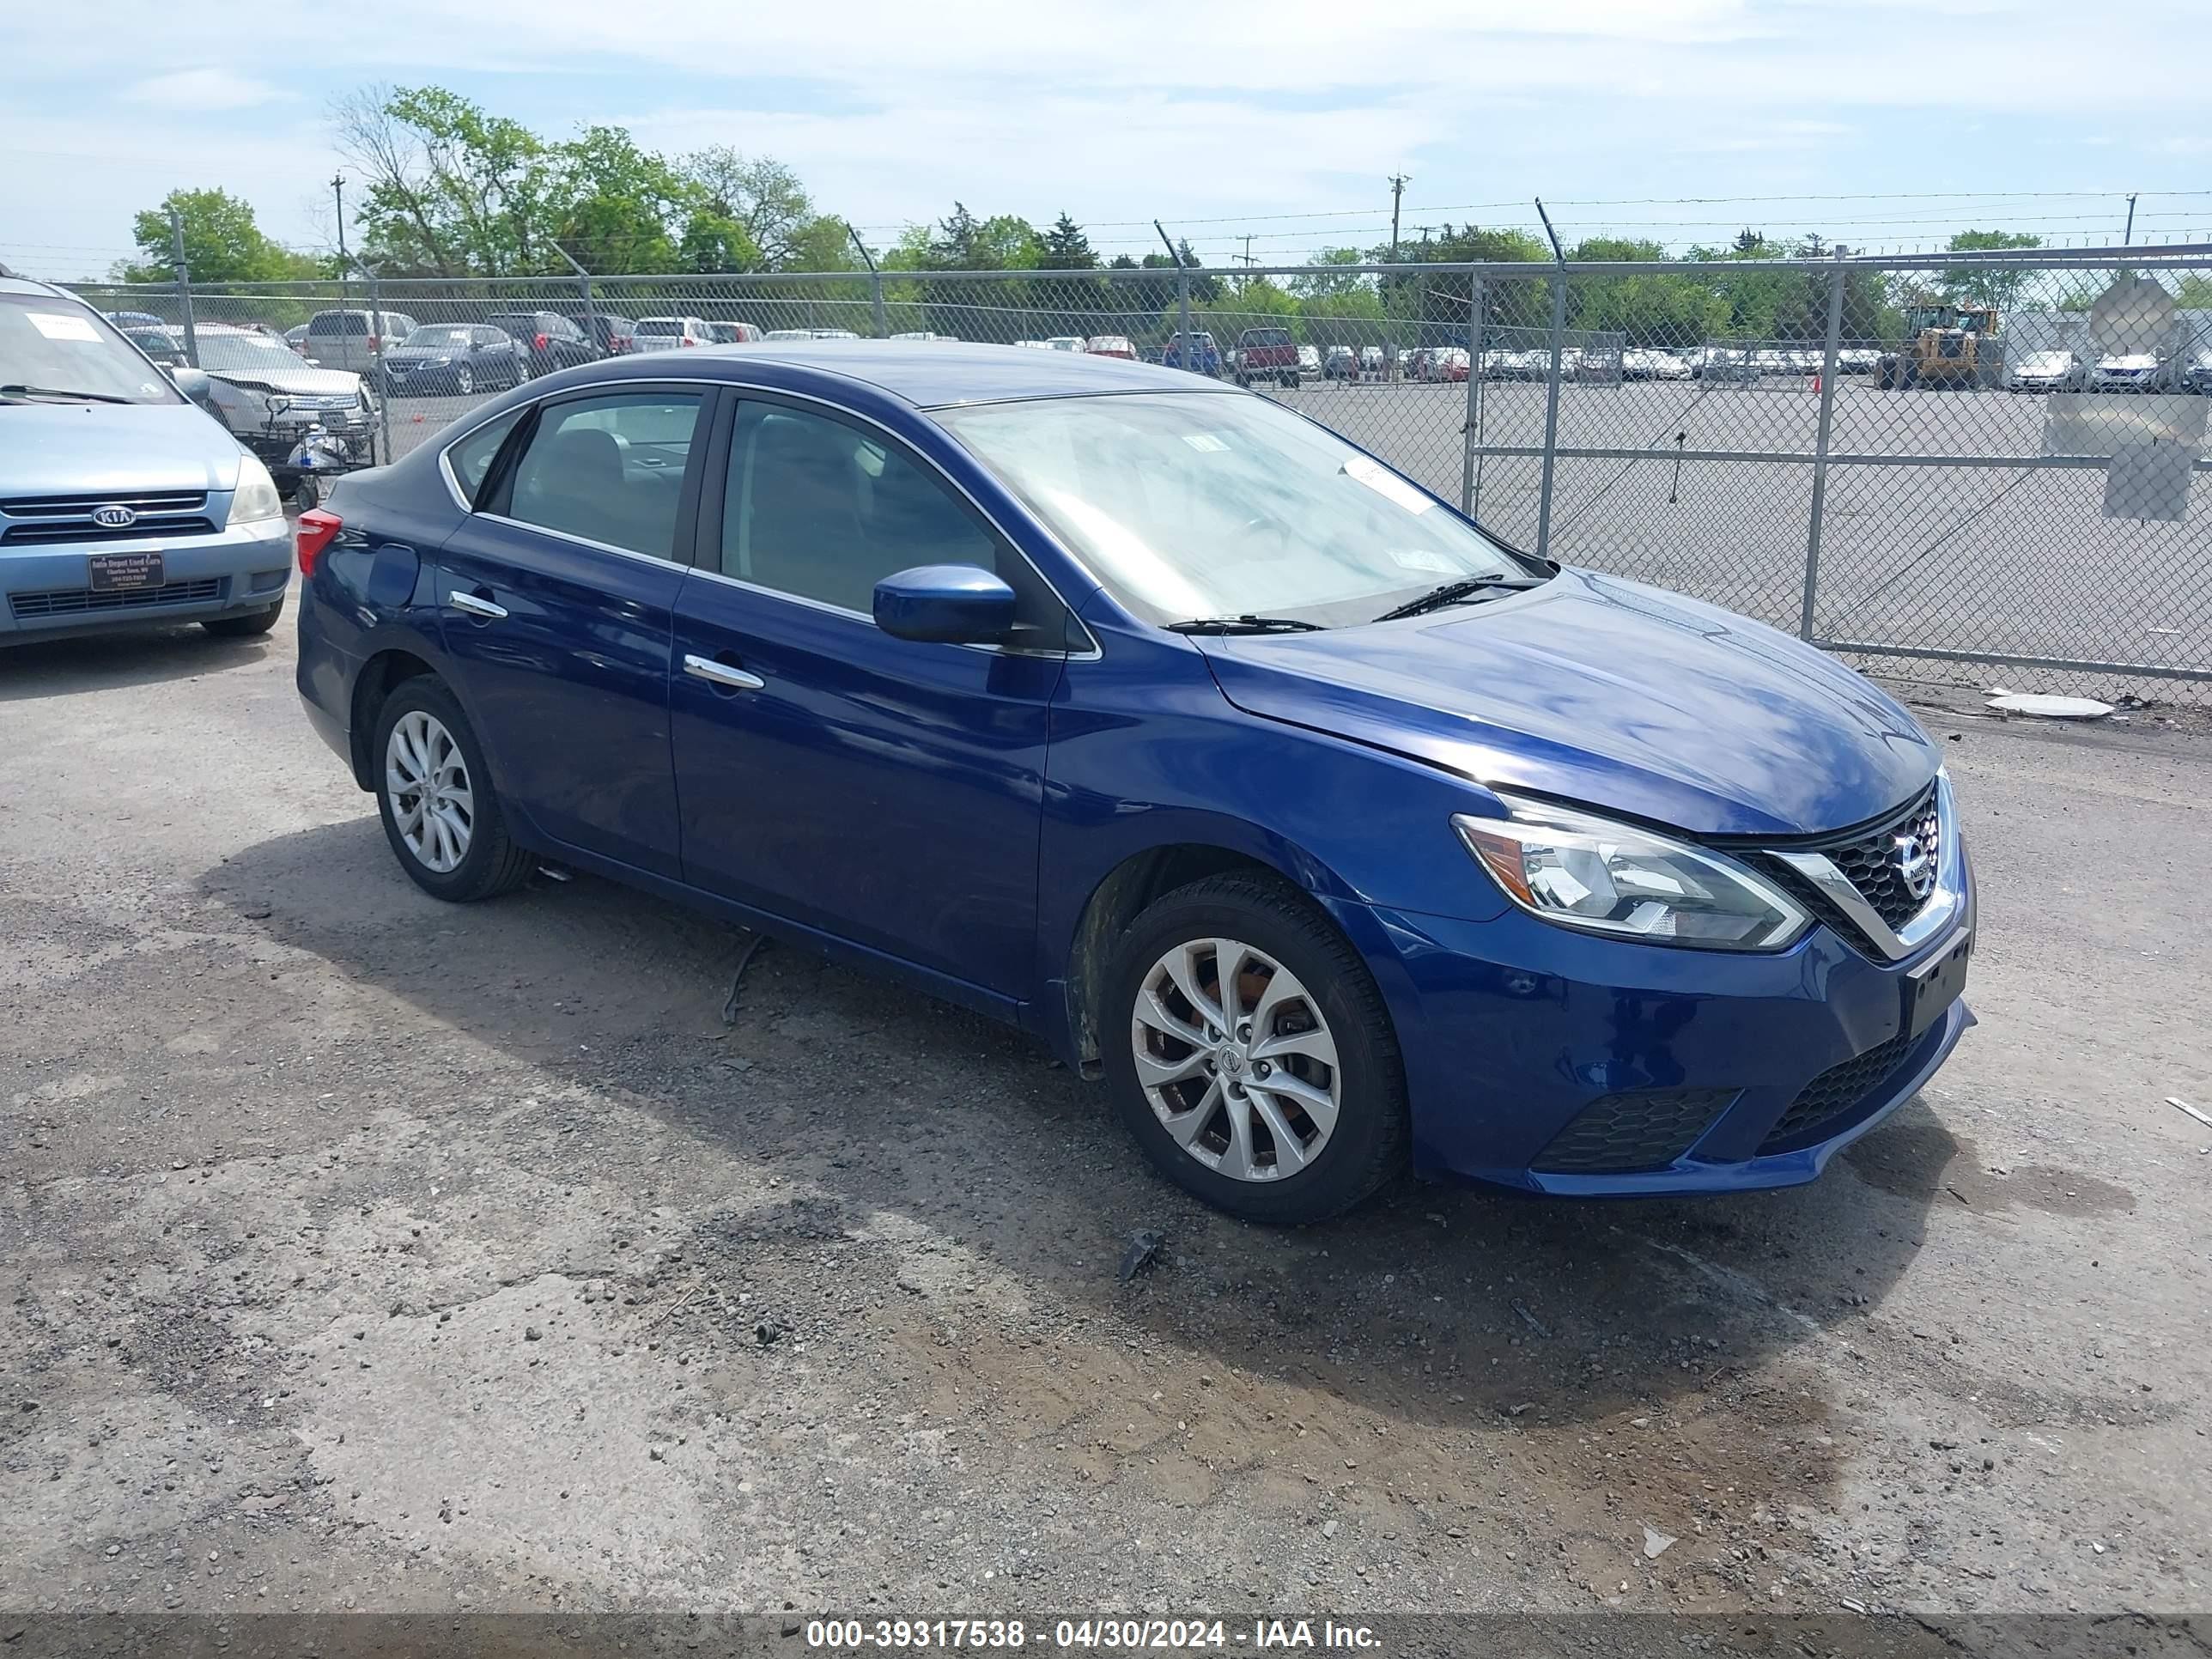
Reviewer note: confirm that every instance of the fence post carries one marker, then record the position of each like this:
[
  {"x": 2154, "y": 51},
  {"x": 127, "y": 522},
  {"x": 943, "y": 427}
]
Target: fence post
[
  {"x": 184, "y": 287},
  {"x": 381, "y": 393},
  {"x": 1471, "y": 431},
  {"x": 1183, "y": 351},
  {"x": 1820, "y": 446},
  {"x": 1552, "y": 409},
  {"x": 876, "y": 294}
]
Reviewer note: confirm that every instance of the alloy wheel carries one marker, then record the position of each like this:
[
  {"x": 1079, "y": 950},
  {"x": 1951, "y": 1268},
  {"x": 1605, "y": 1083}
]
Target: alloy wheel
[
  {"x": 1236, "y": 1059},
  {"x": 427, "y": 778}
]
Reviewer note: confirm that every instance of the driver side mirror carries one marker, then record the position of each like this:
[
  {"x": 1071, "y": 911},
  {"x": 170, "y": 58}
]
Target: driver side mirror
[
  {"x": 944, "y": 603},
  {"x": 193, "y": 382}
]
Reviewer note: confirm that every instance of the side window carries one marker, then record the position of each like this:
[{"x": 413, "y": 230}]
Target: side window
[
  {"x": 609, "y": 469},
  {"x": 825, "y": 511},
  {"x": 471, "y": 458}
]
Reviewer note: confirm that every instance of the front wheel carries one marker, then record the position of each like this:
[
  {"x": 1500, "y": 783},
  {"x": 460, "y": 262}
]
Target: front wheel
[
  {"x": 246, "y": 626},
  {"x": 435, "y": 797},
  {"x": 1250, "y": 1055}
]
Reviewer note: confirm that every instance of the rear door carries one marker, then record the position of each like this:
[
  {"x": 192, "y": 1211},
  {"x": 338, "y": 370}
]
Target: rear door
[
  {"x": 557, "y": 595},
  {"x": 886, "y": 791}
]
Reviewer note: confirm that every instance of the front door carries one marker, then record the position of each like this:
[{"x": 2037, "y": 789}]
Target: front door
[
  {"x": 557, "y": 597},
  {"x": 884, "y": 790}
]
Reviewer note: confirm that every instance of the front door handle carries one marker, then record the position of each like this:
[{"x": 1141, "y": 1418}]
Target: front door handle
[
  {"x": 722, "y": 674},
  {"x": 475, "y": 606}
]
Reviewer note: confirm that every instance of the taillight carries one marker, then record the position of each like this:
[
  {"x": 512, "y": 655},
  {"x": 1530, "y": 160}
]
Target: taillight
[
  {"x": 541, "y": 342},
  {"x": 373, "y": 343},
  {"x": 619, "y": 343},
  {"x": 687, "y": 340},
  {"x": 317, "y": 529}
]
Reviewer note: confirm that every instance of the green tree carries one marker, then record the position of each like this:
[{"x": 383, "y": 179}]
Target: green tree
[
  {"x": 1989, "y": 285},
  {"x": 617, "y": 209},
  {"x": 222, "y": 243},
  {"x": 760, "y": 195},
  {"x": 1066, "y": 248},
  {"x": 450, "y": 189}
]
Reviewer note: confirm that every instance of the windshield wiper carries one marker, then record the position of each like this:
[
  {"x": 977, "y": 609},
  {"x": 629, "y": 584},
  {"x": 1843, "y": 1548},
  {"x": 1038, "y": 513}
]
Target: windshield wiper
[
  {"x": 1456, "y": 592},
  {"x": 1247, "y": 624},
  {"x": 19, "y": 390}
]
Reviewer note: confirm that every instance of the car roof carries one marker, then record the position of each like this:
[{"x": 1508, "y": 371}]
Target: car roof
[{"x": 923, "y": 374}]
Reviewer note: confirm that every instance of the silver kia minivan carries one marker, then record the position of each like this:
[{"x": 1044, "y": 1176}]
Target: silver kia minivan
[{"x": 121, "y": 500}]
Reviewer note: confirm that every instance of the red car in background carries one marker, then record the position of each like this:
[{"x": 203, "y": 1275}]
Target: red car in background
[
  {"x": 1267, "y": 354},
  {"x": 1111, "y": 346}
]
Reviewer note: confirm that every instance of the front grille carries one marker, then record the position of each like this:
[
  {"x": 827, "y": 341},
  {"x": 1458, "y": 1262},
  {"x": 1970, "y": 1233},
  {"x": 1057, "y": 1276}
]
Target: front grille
[
  {"x": 73, "y": 601},
  {"x": 1867, "y": 858},
  {"x": 1647, "y": 1129},
  {"x": 52, "y": 521},
  {"x": 1834, "y": 1094}
]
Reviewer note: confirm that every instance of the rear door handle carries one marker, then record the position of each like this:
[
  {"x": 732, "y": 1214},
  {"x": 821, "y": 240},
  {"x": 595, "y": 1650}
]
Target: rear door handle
[
  {"x": 720, "y": 673},
  {"x": 475, "y": 606}
]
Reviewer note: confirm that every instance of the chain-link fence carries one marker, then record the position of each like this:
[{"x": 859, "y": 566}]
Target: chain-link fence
[{"x": 1971, "y": 466}]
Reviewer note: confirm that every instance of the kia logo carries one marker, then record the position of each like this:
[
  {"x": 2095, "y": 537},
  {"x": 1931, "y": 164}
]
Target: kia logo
[{"x": 114, "y": 516}]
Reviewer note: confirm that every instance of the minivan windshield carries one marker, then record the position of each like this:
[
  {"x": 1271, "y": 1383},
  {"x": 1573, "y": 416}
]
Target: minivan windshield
[
  {"x": 54, "y": 351},
  {"x": 1191, "y": 505}
]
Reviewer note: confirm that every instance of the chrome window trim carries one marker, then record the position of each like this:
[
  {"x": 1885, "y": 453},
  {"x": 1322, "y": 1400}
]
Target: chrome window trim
[
  {"x": 850, "y": 614},
  {"x": 741, "y": 387},
  {"x": 1933, "y": 917}
]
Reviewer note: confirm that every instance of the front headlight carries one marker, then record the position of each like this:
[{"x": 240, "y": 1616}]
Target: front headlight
[
  {"x": 256, "y": 497},
  {"x": 1581, "y": 870}
]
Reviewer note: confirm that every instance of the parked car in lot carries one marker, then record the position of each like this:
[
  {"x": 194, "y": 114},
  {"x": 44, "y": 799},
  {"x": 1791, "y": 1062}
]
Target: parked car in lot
[
  {"x": 1205, "y": 356},
  {"x": 548, "y": 340},
  {"x": 120, "y": 501},
  {"x": 670, "y": 333},
  {"x": 1341, "y": 363},
  {"x": 1067, "y": 342},
  {"x": 1309, "y": 362},
  {"x": 1644, "y": 363},
  {"x": 2132, "y": 371},
  {"x": 734, "y": 334},
  {"x": 268, "y": 398},
  {"x": 610, "y": 331},
  {"x": 780, "y": 335},
  {"x": 352, "y": 340},
  {"x": 1372, "y": 359},
  {"x": 165, "y": 347},
  {"x": 917, "y": 334},
  {"x": 1267, "y": 354},
  {"x": 2198, "y": 377},
  {"x": 991, "y": 682},
  {"x": 1111, "y": 346},
  {"x": 442, "y": 360},
  {"x": 2045, "y": 371}
]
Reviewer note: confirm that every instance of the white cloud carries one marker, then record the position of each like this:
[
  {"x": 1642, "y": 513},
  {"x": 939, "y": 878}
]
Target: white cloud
[{"x": 196, "y": 89}]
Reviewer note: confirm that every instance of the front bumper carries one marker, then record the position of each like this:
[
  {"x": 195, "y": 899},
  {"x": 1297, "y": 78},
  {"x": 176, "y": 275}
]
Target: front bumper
[
  {"x": 47, "y": 591},
  {"x": 1510, "y": 1029}
]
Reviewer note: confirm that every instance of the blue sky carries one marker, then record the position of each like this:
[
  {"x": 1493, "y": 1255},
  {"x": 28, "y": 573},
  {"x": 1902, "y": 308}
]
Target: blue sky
[{"x": 1221, "y": 118}]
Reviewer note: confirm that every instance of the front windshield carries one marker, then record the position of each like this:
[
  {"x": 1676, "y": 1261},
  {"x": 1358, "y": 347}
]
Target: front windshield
[
  {"x": 431, "y": 334},
  {"x": 54, "y": 345},
  {"x": 228, "y": 353},
  {"x": 1203, "y": 505}
]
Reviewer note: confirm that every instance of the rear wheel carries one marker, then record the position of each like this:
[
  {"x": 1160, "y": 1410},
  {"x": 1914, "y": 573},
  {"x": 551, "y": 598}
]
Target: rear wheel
[
  {"x": 1250, "y": 1053},
  {"x": 434, "y": 794}
]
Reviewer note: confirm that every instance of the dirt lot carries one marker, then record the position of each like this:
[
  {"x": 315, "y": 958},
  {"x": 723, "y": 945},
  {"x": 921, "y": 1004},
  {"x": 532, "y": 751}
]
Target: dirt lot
[{"x": 365, "y": 1253}]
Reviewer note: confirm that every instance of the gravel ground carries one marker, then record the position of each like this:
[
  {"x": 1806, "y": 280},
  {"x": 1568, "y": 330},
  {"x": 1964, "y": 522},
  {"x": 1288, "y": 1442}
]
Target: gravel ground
[{"x": 364, "y": 1253}]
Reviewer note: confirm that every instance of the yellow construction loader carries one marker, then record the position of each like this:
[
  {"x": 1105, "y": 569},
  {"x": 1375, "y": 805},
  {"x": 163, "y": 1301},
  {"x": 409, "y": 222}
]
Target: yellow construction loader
[{"x": 1945, "y": 345}]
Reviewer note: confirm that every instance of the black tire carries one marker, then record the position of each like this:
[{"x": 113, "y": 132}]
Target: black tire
[
  {"x": 494, "y": 863},
  {"x": 245, "y": 628},
  {"x": 1368, "y": 1143}
]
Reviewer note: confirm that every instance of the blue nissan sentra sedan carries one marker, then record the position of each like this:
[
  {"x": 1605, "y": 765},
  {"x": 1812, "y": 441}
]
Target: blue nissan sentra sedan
[{"x": 1329, "y": 832}]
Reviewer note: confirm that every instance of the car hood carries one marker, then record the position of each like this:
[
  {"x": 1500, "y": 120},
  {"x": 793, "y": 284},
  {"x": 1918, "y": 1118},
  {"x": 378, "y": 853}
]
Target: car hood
[
  {"x": 424, "y": 354},
  {"x": 81, "y": 449},
  {"x": 305, "y": 381},
  {"x": 1606, "y": 692}
]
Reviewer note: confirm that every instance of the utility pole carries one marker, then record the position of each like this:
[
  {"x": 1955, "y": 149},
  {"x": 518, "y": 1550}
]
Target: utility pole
[
  {"x": 1397, "y": 191},
  {"x": 2127, "y": 237},
  {"x": 184, "y": 287},
  {"x": 875, "y": 281}
]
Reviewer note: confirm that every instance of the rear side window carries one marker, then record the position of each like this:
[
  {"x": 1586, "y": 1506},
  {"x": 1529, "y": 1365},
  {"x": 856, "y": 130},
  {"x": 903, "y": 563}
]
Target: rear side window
[
  {"x": 471, "y": 458},
  {"x": 609, "y": 469},
  {"x": 658, "y": 326}
]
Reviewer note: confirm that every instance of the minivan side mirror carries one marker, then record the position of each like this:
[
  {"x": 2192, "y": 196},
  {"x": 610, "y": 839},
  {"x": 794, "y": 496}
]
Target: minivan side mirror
[
  {"x": 946, "y": 604},
  {"x": 193, "y": 382}
]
